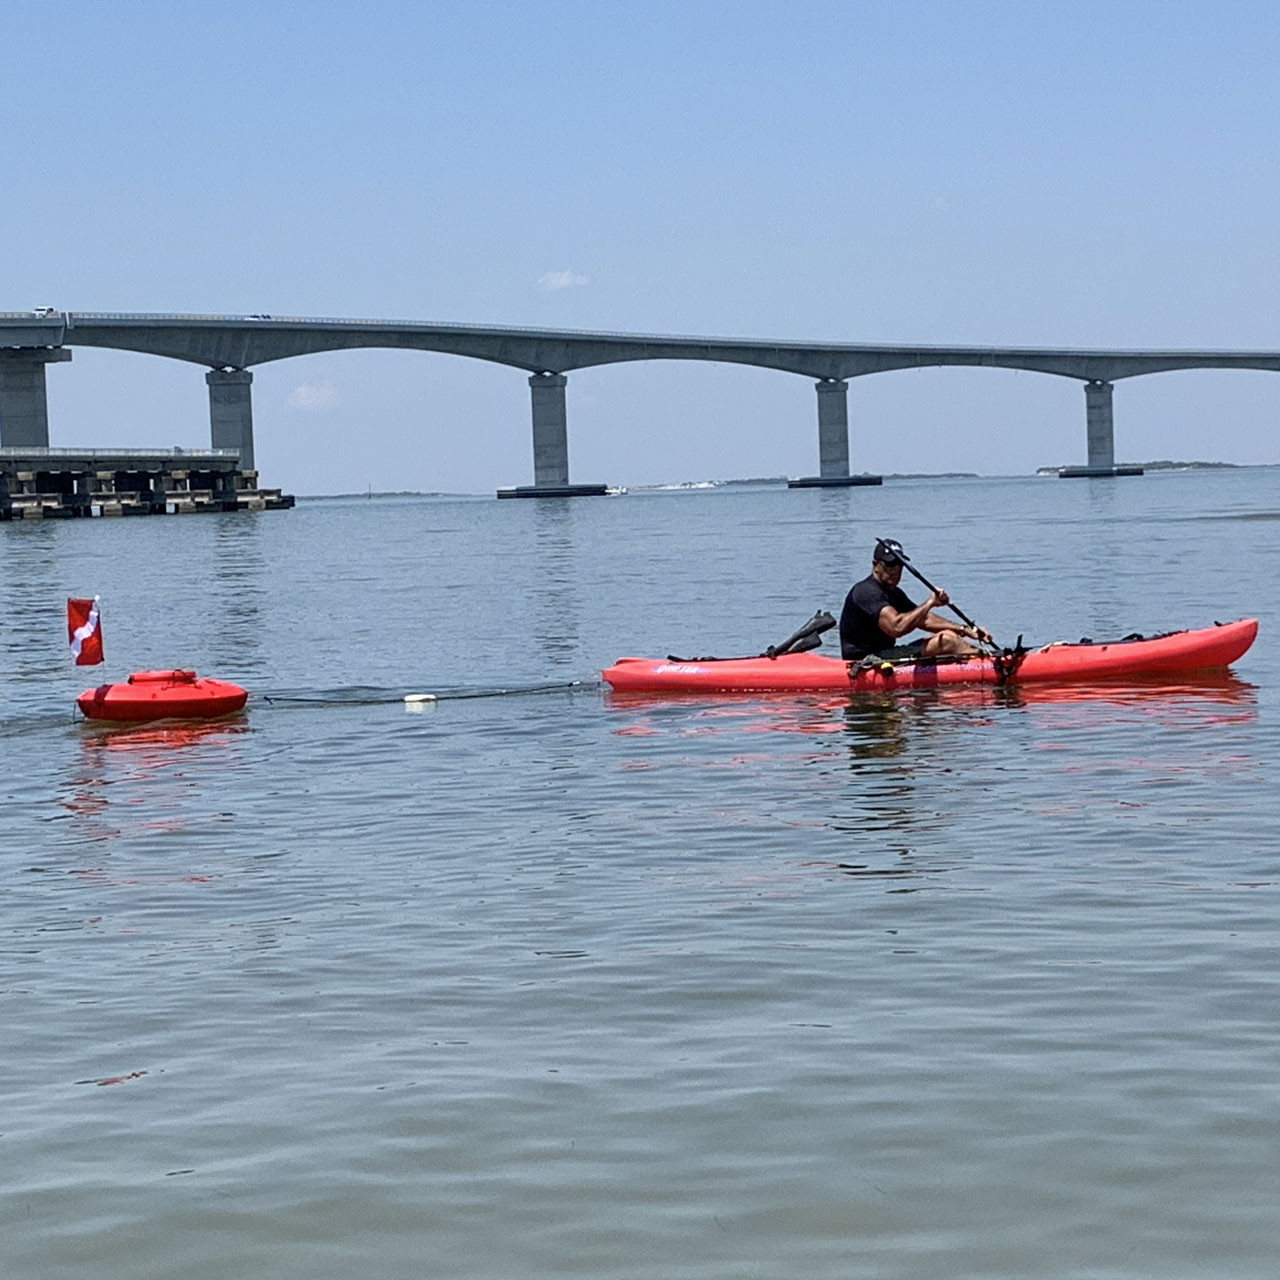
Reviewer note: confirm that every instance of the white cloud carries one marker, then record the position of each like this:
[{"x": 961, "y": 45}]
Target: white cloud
[
  {"x": 554, "y": 280},
  {"x": 313, "y": 396}
]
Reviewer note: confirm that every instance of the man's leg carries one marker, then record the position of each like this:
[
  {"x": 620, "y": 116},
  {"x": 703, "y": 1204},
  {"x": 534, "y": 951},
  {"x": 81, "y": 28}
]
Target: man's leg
[{"x": 947, "y": 642}]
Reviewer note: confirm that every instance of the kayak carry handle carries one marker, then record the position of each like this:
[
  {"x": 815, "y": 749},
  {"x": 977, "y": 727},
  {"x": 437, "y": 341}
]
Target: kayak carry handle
[{"x": 163, "y": 677}]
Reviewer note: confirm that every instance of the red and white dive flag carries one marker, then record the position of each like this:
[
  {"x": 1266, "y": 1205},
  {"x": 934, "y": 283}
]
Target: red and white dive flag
[{"x": 84, "y": 630}]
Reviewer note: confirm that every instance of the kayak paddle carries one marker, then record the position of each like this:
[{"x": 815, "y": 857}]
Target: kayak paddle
[{"x": 896, "y": 547}]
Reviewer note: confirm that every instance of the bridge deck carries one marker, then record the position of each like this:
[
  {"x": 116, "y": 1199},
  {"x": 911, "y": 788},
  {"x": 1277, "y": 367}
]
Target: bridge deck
[{"x": 241, "y": 342}]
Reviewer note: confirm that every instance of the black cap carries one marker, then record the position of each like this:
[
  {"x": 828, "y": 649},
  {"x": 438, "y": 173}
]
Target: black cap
[{"x": 888, "y": 551}]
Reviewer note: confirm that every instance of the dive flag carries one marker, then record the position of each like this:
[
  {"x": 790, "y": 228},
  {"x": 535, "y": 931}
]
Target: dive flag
[{"x": 84, "y": 630}]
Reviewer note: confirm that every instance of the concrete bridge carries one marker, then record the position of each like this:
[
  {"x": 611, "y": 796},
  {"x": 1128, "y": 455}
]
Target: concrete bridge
[{"x": 230, "y": 346}]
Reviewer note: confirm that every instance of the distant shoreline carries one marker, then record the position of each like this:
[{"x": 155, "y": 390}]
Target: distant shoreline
[
  {"x": 1162, "y": 464},
  {"x": 386, "y": 493}
]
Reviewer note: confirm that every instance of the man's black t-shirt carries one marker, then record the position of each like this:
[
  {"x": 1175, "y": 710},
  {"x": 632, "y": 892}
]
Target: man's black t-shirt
[{"x": 860, "y": 632}]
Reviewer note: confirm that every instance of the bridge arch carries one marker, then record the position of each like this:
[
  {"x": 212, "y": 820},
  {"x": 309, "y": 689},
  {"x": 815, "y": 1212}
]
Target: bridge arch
[{"x": 230, "y": 347}]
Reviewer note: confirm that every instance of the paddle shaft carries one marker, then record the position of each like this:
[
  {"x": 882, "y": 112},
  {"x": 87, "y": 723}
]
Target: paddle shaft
[{"x": 960, "y": 613}]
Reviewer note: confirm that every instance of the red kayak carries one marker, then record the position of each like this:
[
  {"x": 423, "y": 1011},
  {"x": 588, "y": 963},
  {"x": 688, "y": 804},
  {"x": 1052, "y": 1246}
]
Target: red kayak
[
  {"x": 162, "y": 695},
  {"x": 1172, "y": 654}
]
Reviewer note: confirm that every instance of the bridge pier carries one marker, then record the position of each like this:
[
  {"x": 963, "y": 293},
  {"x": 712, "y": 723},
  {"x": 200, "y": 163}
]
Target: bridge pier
[
  {"x": 24, "y": 403},
  {"x": 1100, "y": 425},
  {"x": 1100, "y": 431},
  {"x": 550, "y": 430},
  {"x": 833, "y": 428},
  {"x": 231, "y": 412},
  {"x": 833, "y": 440},
  {"x": 550, "y": 444}
]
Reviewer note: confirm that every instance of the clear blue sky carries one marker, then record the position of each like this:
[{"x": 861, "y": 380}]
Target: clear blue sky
[{"x": 1046, "y": 173}]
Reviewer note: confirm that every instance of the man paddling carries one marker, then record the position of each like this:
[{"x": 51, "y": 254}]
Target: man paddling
[{"x": 877, "y": 613}]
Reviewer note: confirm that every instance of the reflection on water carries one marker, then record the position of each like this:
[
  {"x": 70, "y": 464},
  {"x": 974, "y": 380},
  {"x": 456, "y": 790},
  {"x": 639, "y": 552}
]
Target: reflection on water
[
  {"x": 164, "y": 741},
  {"x": 160, "y": 764},
  {"x": 555, "y": 586},
  {"x": 877, "y": 738},
  {"x": 836, "y": 516},
  {"x": 918, "y": 763},
  {"x": 875, "y": 727},
  {"x": 31, "y": 597},
  {"x": 961, "y": 981},
  {"x": 238, "y": 594},
  {"x": 1100, "y": 558},
  {"x": 882, "y": 717},
  {"x": 1178, "y": 693}
]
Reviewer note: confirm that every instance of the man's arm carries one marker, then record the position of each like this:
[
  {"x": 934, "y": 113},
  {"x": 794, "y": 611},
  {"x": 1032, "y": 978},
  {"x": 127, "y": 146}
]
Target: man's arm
[
  {"x": 896, "y": 625},
  {"x": 935, "y": 622}
]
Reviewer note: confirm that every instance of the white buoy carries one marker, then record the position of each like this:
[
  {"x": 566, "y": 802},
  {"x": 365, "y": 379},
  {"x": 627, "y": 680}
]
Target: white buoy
[{"x": 418, "y": 701}]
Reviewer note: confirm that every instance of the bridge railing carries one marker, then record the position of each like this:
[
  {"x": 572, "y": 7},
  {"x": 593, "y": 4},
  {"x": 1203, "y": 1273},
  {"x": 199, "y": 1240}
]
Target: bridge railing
[
  {"x": 453, "y": 326},
  {"x": 25, "y": 451}
]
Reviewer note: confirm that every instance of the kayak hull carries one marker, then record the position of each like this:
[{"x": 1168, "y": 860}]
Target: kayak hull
[
  {"x": 1207, "y": 649},
  {"x": 162, "y": 695}
]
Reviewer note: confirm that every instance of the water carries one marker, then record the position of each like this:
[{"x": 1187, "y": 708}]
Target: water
[{"x": 559, "y": 983}]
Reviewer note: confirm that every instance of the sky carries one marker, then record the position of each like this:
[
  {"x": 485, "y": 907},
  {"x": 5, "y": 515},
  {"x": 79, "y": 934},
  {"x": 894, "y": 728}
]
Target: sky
[{"x": 1045, "y": 174}]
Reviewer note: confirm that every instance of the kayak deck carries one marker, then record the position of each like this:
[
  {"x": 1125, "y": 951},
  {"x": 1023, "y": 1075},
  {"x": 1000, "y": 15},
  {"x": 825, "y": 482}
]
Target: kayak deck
[{"x": 1180, "y": 651}]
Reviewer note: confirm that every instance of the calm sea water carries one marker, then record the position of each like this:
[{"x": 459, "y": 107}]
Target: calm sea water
[{"x": 557, "y": 983}]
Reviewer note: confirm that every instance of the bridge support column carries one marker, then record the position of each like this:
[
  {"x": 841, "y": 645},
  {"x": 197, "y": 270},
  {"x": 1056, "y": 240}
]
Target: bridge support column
[
  {"x": 550, "y": 444},
  {"x": 1100, "y": 425},
  {"x": 24, "y": 405},
  {"x": 231, "y": 412},
  {"x": 1101, "y": 435},
  {"x": 550, "y": 430},
  {"x": 833, "y": 440},
  {"x": 833, "y": 428}
]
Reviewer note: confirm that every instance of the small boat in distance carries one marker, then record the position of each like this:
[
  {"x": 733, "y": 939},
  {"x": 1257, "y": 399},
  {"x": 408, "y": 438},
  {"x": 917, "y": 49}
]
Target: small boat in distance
[
  {"x": 1175, "y": 653},
  {"x": 162, "y": 695}
]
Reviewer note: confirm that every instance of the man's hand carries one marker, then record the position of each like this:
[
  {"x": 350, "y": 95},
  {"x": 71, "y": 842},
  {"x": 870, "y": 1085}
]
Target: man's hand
[
  {"x": 983, "y": 636},
  {"x": 940, "y": 599}
]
